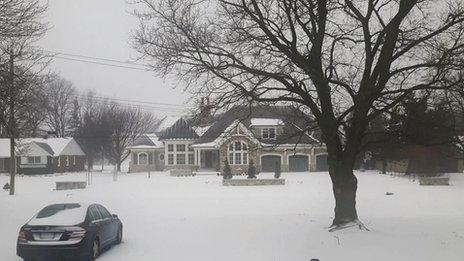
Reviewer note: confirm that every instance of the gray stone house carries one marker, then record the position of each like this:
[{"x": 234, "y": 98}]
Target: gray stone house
[{"x": 270, "y": 136}]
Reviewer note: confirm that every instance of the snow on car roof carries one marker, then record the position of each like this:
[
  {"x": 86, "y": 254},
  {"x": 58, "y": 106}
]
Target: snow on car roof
[{"x": 63, "y": 214}]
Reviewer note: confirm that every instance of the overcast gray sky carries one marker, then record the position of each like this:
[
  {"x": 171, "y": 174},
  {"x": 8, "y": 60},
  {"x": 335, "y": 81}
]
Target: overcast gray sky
[{"x": 102, "y": 28}]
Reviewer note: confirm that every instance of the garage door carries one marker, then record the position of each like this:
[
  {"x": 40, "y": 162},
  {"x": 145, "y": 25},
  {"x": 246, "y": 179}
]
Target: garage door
[
  {"x": 298, "y": 163},
  {"x": 322, "y": 163},
  {"x": 269, "y": 163}
]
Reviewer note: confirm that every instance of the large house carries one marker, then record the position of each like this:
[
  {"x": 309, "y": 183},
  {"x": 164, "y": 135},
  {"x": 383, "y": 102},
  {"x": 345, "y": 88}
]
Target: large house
[
  {"x": 270, "y": 136},
  {"x": 46, "y": 155},
  {"x": 147, "y": 152}
]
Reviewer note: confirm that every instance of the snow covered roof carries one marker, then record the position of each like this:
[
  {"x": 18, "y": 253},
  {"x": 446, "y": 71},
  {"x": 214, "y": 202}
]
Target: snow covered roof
[
  {"x": 147, "y": 141},
  {"x": 54, "y": 146},
  {"x": 266, "y": 122},
  {"x": 180, "y": 130},
  {"x": 201, "y": 130},
  {"x": 292, "y": 120},
  {"x": 67, "y": 214},
  {"x": 4, "y": 148},
  {"x": 167, "y": 122}
]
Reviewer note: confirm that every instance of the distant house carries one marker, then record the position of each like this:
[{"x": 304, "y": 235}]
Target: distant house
[
  {"x": 147, "y": 152},
  {"x": 270, "y": 136},
  {"x": 44, "y": 156},
  {"x": 4, "y": 155},
  {"x": 50, "y": 155}
]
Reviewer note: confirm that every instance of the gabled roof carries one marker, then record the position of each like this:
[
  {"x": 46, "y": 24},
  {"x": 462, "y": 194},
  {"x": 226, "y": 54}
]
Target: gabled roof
[
  {"x": 294, "y": 121},
  {"x": 166, "y": 123},
  {"x": 54, "y": 146},
  {"x": 45, "y": 147},
  {"x": 180, "y": 130},
  {"x": 147, "y": 141}
]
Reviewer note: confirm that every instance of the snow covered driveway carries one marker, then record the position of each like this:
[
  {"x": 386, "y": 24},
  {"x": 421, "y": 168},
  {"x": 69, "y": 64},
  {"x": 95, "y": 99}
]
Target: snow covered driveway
[{"x": 195, "y": 218}]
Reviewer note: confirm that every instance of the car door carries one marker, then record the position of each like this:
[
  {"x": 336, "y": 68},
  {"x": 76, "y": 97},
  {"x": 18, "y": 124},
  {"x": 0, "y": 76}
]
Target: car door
[
  {"x": 113, "y": 226},
  {"x": 97, "y": 222},
  {"x": 106, "y": 226}
]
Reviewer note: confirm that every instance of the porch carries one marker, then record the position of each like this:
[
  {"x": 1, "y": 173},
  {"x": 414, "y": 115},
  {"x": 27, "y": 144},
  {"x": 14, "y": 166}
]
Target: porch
[{"x": 207, "y": 161}]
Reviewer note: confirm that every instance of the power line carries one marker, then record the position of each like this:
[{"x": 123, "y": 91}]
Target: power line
[
  {"x": 136, "y": 101},
  {"x": 101, "y": 63},
  {"x": 131, "y": 104},
  {"x": 143, "y": 107},
  {"x": 97, "y": 58}
]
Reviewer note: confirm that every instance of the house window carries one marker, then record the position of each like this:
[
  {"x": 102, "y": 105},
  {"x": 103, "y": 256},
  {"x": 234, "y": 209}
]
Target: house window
[
  {"x": 143, "y": 158},
  {"x": 67, "y": 161},
  {"x": 59, "y": 161},
  {"x": 74, "y": 160},
  {"x": 191, "y": 158},
  {"x": 180, "y": 159},
  {"x": 171, "y": 147},
  {"x": 180, "y": 147},
  {"x": 34, "y": 160},
  {"x": 268, "y": 133},
  {"x": 238, "y": 153},
  {"x": 170, "y": 159}
]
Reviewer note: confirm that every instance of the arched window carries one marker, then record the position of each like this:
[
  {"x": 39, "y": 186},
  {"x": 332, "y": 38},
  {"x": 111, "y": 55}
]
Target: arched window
[
  {"x": 143, "y": 158},
  {"x": 238, "y": 153}
]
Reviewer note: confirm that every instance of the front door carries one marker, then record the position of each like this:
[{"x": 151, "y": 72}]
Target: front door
[{"x": 208, "y": 159}]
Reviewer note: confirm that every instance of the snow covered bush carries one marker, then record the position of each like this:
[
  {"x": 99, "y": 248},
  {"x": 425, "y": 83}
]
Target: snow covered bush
[
  {"x": 251, "y": 170},
  {"x": 6, "y": 186}
]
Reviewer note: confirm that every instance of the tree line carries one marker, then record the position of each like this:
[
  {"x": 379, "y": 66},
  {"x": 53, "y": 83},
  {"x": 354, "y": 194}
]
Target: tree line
[{"x": 35, "y": 102}]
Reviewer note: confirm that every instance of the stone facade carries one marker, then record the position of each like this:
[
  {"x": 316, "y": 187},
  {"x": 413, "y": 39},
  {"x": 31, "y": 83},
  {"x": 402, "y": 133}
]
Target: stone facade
[{"x": 224, "y": 153}]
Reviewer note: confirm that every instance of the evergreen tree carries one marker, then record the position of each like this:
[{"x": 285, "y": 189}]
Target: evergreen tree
[
  {"x": 277, "y": 171},
  {"x": 251, "y": 170},
  {"x": 227, "y": 172}
]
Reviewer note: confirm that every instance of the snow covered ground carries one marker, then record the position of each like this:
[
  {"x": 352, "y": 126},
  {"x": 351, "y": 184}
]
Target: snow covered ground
[{"x": 195, "y": 218}]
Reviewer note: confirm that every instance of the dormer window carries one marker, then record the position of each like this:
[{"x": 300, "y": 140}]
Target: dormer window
[{"x": 268, "y": 133}]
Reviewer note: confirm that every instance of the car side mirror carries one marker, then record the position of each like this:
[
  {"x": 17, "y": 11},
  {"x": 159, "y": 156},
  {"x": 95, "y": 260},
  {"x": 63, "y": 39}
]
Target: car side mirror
[{"x": 114, "y": 216}]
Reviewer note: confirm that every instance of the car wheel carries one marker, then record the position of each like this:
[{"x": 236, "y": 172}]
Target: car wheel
[
  {"x": 95, "y": 250},
  {"x": 119, "y": 236}
]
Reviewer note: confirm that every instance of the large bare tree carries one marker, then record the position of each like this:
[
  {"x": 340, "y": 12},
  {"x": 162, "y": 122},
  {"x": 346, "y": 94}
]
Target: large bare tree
[
  {"x": 60, "y": 95},
  {"x": 127, "y": 124},
  {"x": 347, "y": 61},
  {"x": 21, "y": 62}
]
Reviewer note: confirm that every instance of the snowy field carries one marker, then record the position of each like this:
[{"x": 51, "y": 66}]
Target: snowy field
[{"x": 195, "y": 218}]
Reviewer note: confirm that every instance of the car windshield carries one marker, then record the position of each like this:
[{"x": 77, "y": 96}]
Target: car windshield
[
  {"x": 60, "y": 215},
  {"x": 54, "y": 209}
]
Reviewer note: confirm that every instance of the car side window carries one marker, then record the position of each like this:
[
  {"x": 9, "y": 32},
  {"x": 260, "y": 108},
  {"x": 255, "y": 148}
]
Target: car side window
[
  {"x": 104, "y": 212},
  {"x": 94, "y": 214}
]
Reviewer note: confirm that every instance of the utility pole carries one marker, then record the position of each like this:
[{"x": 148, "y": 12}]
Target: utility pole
[{"x": 12, "y": 127}]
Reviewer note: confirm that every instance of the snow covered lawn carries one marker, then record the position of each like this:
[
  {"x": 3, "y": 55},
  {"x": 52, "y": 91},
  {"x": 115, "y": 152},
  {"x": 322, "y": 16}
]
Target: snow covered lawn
[{"x": 195, "y": 218}]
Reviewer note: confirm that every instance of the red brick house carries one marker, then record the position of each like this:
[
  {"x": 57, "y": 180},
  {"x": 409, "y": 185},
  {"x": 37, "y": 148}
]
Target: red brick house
[{"x": 51, "y": 155}]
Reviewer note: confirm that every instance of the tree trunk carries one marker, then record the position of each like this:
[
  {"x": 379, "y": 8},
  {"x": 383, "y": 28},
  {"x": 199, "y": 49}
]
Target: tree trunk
[
  {"x": 345, "y": 185},
  {"x": 118, "y": 164},
  {"x": 12, "y": 166},
  {"x": 384, "y": 166}
]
